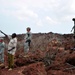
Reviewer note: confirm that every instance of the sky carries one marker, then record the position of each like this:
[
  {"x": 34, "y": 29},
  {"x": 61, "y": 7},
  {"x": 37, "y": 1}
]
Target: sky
[{"x": 42, "y": 16}]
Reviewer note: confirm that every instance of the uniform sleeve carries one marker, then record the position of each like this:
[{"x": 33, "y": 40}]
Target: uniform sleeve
[
  {"x": 26, "y": 36},
  {"x": 9, "y": 36},
  {"x": 14, "y": 42}
]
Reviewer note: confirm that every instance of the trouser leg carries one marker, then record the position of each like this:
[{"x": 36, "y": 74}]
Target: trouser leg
[
  {"x": 28, "y": 41},
  {"x": 10, "y": 60},
  {"x": 26, "y": 48},
  {"x": 2, "y": 56}
]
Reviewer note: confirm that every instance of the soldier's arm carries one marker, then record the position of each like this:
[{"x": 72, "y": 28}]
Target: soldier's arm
[{"x": 4, "y": 33}]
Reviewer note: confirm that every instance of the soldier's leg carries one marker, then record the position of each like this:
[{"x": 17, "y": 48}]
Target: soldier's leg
[
  {"x": 2, "y": 55},
  {"x": 26, "y": 48},
  {"x": 29, "y": 43},
  {"x": 12, "y": 61},
  {"x": 9, "y": 60}
]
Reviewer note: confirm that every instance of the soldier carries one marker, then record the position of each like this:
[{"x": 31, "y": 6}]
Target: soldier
[
  {"x": 27, "y": 40},
  {"x": 11, "y": 49},
  {"x": 73, "y": 28},
  {"x": 73, "y": 49},
  {"x": 2, "y": 46}
]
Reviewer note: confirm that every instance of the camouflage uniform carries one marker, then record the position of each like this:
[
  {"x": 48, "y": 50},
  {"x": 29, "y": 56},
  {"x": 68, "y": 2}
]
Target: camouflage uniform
[
  {"x": 2, "y": 46},
  {"x": 27, "y": 41}
]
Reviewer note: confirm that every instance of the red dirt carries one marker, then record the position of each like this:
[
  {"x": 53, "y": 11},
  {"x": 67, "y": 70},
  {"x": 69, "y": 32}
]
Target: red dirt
[
  {"x": 35, "y": 69},
  {"x": 44, "y": 48}
]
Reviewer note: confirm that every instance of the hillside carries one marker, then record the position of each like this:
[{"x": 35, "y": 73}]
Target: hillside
[{"x": 50, "y": 54}]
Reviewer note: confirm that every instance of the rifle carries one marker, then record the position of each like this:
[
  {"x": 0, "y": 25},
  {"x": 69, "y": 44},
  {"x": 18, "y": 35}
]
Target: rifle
[
  {"x": 11, "y": 49},
  {"x": 3, "y": 33}
]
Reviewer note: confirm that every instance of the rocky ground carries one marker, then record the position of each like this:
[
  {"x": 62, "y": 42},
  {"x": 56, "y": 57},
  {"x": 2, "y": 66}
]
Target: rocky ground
[{"x": 50, "y": 54}]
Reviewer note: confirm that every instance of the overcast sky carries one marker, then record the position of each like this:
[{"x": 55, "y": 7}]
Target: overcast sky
[{"x": 41, "y": 15}]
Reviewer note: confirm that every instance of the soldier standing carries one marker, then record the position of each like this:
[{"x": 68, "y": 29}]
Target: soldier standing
[
  {"x": 27, "y": 41},
  {"x": 2, "y": 46},
  {"x": 11, "y": 49},
  {"x": 73, "y": 28}
]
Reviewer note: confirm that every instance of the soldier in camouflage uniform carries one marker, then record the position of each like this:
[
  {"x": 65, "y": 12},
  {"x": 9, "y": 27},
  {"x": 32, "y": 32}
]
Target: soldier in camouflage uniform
[
  {"x": 27, "y": 40},
  {"x": 2, "y": 46}
]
